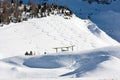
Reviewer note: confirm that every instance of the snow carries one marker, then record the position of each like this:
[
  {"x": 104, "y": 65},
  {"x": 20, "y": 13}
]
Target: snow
[
  {"x": 94, "y": 52},
  {"x": 42, "y": 35},
  {"x": 107, "y": 17},
  {"x": 109, "y": 22},
  {"x": 100, "y": 62}
]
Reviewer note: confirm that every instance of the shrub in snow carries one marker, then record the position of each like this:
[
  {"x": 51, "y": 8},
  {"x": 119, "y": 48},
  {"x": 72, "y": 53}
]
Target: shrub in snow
[
  {"x": 26, "y": 53},
  {"x": 31, "y": 53}
]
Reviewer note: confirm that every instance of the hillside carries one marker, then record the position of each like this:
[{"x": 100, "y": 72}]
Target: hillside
[
  {"x": 104, "y": 13},
  {"x": 49, "y": 42},
  {"x": 106, "y": 16},
  {"x": 44, "y": 34}
]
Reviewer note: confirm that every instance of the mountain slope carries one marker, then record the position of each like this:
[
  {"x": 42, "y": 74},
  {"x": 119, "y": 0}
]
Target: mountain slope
[
  {"x": 42, "y": 35},
  {"x": 107, "y": 17}
]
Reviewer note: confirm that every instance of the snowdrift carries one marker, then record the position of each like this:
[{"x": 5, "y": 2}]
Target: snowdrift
[{"x": 103, "y": 63}]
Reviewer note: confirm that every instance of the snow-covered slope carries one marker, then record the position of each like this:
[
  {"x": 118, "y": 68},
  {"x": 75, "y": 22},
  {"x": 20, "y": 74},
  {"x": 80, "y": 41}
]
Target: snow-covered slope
[
  {"x": 96, "y": 64},
  {"x": 107, "y": 17},
  {"x": 42, "y": 35},
  {"x": 95, "y": 56}
]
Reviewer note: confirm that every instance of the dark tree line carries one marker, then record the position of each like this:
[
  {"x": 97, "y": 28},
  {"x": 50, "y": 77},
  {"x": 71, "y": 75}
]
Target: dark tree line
[
  {"x": 15, "y": 11},
  {"x": 100, "y": 1}
]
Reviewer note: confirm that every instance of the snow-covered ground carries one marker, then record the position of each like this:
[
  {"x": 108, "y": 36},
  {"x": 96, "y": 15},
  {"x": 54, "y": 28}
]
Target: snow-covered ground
[
  {"x": 95, "y": 55},
  {"x": 42, "y": 35},
  {"x": 98, "y": 64}
]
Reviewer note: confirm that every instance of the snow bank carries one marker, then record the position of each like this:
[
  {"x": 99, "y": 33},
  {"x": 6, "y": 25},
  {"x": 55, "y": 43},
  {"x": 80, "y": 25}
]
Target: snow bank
[{"x": 103, "y": 63}]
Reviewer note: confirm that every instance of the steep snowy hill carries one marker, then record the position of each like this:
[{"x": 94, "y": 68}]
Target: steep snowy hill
[
  {"x": 98, "y": 64},
  {"x": 107, "y": 17},
  {"x": 42, "y": 35}
]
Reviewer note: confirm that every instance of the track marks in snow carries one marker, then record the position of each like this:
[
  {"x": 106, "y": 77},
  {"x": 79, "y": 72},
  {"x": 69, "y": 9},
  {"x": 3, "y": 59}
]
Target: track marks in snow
[{"x": 55, "y": 31}]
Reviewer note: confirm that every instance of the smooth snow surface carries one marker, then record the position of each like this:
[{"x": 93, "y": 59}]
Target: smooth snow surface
[
  {"x": 96, "y": 64},
  {"x": 42, "y": 35}
]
